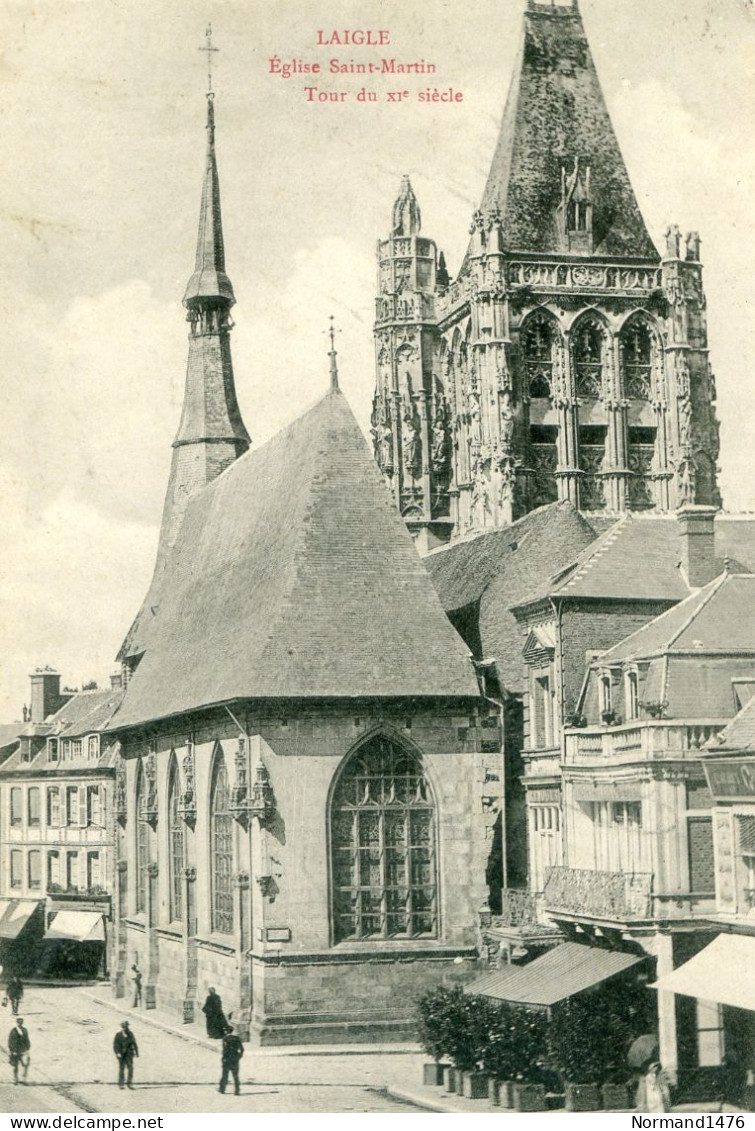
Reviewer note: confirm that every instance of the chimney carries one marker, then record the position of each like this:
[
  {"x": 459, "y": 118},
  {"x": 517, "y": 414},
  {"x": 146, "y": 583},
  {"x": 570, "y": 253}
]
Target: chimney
[
  {"x": 116, "y": 680},
  {"x": 45, "y": 693},
  {"x": 697, "y": 540}
]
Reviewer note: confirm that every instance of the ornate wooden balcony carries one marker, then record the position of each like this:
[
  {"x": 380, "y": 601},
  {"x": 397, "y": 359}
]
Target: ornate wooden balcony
[{"x": 619, "y": 897}]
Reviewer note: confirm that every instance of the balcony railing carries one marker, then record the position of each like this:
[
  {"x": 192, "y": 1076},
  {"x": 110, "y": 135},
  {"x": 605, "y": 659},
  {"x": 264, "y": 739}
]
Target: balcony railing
[
  {"x": 619, "y": 897},
  {"x": 644, "y": 740},
  {"x": 615, "y": 896},
  {"x": 519, "y": 908}
]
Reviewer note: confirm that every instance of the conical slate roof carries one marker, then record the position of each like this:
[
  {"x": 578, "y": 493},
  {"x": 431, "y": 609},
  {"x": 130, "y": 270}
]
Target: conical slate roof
[
  {"x": 209, "y": 279},
  {"x": 555, "y": 115},
  {"x": 294, "y": 576}
]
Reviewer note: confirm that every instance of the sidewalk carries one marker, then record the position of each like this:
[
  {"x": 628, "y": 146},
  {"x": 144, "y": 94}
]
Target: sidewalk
[
  {"x": 195, "y": 1033},
  {"x": 435, "y": 1099}
]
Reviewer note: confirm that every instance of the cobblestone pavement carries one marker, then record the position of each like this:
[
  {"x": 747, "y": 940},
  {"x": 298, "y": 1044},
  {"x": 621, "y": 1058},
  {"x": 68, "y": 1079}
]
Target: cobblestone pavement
[{"x": 73, "y": 1068}]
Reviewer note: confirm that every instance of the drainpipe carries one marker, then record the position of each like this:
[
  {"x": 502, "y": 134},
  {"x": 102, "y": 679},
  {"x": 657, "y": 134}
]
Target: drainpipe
[{"x": 480, "y": 667}]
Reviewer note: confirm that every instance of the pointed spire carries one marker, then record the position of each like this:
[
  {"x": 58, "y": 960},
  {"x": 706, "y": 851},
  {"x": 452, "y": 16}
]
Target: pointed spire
[
  {"x": 556, "y": 122},
  {"x": 209, "y": 280},
  {"x": 333, "y": 355},
  {"x": 407, "y": 219}
]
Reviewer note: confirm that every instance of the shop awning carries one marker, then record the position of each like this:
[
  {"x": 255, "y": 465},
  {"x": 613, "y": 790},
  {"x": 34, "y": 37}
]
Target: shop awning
[
  {"x": 82, "y": 926},
  {"x": 561, "y": 973},
  {"x": 723, "y": 972},
  {"x": 14, "y": 915}
]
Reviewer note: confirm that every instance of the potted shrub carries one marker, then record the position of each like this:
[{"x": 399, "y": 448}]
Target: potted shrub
[
  {"x": 577, "y": 1041},
  {"x": 499, "y": 1053},
  {"x": 530, "y": 1043},
  {"x": 433, "y": 1019}
]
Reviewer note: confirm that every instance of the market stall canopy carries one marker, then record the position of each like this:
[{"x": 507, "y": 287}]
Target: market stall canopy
[
  {"x": 723, "y": 972},
  {"x": 14, "y": 915},
  {"x": 561, "y": 973},
  {"x": 81, "y": 926}
]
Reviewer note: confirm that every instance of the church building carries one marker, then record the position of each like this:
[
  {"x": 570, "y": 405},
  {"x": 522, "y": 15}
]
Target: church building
[
  {"x": 308, "y": 782},
  {"x": 567, "y": 359}
]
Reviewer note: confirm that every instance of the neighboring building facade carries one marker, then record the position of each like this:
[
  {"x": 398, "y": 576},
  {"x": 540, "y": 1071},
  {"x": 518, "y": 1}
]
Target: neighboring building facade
[
  {"x": 567, "y": 359},
  {"x": 718, "y": 983},
  {"x": 56, "y": 829}
]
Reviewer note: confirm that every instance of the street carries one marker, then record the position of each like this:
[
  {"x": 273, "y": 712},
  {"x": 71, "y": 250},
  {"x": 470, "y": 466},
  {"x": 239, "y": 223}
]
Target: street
[{"x": 73, "y": 1067}]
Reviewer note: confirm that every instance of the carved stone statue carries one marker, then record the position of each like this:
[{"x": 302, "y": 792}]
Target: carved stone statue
[
  {"x": 440, "y": 436},
  {"x": 685, "y": 421},
  {"x": 673, "y": 241},
  {"x": 692, "y": 245},
  {"x": 412, "y": 443},
  {"x": 686, "y": 481},
  {"x": 473, "y": 402},
  {"x": 507, "y": 418}
]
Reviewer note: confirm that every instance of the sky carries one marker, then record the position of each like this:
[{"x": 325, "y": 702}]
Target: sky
[{"x": 103, "y": 112}]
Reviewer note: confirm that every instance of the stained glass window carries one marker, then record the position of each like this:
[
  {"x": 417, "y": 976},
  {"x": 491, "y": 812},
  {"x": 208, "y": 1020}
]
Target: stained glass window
[
  {"x": 588, "y": 360},
  {"x": 538, "y": 358},
  {"x": 383, "y": 845},
  {"x": 636, "y": 345},
  {"x": 221, "y": 848},
  {"x": 177, "y": 853}
]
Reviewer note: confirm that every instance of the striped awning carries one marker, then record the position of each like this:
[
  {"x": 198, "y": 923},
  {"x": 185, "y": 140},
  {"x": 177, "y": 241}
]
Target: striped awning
[
  {"x": 14, "y": 915},
  {"x": 561, "y": 973},
  {"x": 81, "y": 926}
]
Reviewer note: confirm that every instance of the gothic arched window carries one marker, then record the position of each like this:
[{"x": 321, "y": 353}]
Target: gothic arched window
[
  {"x": 538, "y": 344},
  {"x": 142, "y": 841},
  {"x": 636, "y": 348},
  {"x": 221, "y": 849},
  {"x": 588, "y": 360},
  {"x": 176, "y": 847},
  {"x": 382, "y": 824}
]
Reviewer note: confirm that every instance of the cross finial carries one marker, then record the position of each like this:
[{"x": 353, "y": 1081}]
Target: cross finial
[
  {"x": 210, "y": 51},
  {"x": 331, "y": 332}
]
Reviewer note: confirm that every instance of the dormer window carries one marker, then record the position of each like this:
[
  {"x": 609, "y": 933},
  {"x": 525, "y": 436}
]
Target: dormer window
[
  {"x": 605, "y": 691},
  {"x": 576, "y": 208},
  {"x": 52, "y": 750},
  {"x": 632, "y": 694},
  {"x": 93, "y": 746}
]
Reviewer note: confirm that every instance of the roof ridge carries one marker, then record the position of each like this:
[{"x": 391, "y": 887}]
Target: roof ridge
[{"x": 596, "y": 550}]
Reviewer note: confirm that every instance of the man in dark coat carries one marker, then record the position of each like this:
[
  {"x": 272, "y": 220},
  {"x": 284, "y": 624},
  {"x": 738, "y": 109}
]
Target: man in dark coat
[
  {"x": 137, "y": 980},
  {"x": 15, "y": 993},
  {"x": 217, "y": 1026},
  {"x": 18, "y": 1048},
  {"x": 125, "y": 1049},
  {"x": 233, "y": 1050}
]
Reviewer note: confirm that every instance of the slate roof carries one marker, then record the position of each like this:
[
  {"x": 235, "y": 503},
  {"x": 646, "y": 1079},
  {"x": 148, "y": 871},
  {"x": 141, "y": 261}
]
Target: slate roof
[
  {"x": 638, "y": 559},
  {"x": 294, "y": 576},
  {"x": 85, "y": 713},
  {"x": 497, "y": 568},
  {"x": 719, "y": 618},
  {"x": 739, "y": 735},
  {"x": 209, "y": 279},
  {"x": 555, "y": 112}
]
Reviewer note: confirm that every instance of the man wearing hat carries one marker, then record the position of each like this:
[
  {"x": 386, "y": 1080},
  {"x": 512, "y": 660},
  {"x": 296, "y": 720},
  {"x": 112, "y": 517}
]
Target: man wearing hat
[{"x": 125, "y": 1049}]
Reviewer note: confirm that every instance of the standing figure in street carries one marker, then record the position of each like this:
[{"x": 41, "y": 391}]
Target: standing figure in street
[
  {"x": 654, "y": 1094},
  {"x": 15, "y": 993},
  {"x": 215, "y": 1019},
  {"x": 137, "y": 980},
  {"x": 125, "y": 1049},
  {"x": 233, "y": 1050},
  {"x": 18, "y": 1049}
]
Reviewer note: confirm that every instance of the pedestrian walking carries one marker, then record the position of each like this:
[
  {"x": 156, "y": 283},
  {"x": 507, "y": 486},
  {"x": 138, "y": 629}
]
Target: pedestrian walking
[
  {"x": 231, "y": 1054},
  {"x": 18, "y": 1050},
  {"x": 125, "y": 1049},
  {"x": 15, "y": 992},
  {"x": 137, "y": 980},
  {"x": 215, "y": 1019}
]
